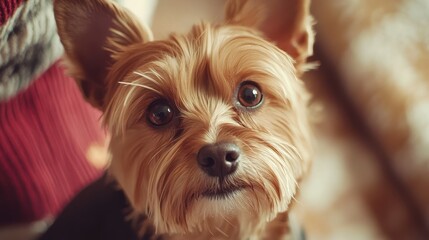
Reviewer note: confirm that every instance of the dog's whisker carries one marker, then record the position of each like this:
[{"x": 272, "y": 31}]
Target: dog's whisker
[
  {"x": 157, "y": 75},
  {"x": 227, "y": 221},
  {"x": 147, "y": 76},
  {"x": 134, "y": 84},
  {"x": 222, "y": 232}
]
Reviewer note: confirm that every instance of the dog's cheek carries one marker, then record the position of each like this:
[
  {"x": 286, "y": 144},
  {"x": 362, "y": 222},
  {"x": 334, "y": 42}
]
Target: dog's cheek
[
  {"x": 177, "y": 192},
  {"x": 134, "y": 157},
  {"x": 172, "y": 179},
  {"x": 270, "y": 166},
  {"x": 289, "y": 126}
]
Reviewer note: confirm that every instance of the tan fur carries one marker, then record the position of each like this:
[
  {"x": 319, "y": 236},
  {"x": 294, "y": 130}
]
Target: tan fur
[
  {"x": 288, "y": 23},
  {"x": 199, "y": 74}
]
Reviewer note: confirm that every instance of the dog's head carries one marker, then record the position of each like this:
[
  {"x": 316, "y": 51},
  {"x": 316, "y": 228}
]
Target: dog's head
[{"x": 208, "y": 127}]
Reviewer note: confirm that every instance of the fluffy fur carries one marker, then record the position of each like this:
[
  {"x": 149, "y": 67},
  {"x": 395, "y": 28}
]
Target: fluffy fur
[{"x": 199, "y": 75}]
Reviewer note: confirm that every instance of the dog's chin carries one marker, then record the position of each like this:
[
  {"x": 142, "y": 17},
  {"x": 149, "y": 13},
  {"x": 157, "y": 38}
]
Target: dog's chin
[
  {"x": 224, "y": 192},
  {"x": 239, "y": 205},
  {"x": 229, "y": 207}
]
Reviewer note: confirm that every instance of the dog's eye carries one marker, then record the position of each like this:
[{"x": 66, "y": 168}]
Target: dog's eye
[
  {"x": 249, "y": 95},
  {"x": 159, "y": 113}
]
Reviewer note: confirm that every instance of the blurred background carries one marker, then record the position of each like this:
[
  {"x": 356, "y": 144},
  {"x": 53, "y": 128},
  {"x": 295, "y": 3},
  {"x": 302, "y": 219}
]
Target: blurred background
[{"x": 370, "y": 176}]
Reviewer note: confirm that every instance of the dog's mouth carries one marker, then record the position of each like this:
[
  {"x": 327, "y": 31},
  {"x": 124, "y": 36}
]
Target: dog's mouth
[{"x": 223, "y": 192}]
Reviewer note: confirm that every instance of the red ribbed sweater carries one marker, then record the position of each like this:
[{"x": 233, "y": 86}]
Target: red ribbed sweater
[
  {"x": 45, "y": 128},
  {"x": 45, "y": 132},
  {"x": 7, "y": 8}
]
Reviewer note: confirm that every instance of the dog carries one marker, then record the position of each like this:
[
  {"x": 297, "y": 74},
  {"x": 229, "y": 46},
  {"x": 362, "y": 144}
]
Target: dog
[{"x": 210, "y": 132}]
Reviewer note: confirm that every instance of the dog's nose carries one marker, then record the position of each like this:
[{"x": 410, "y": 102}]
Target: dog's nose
[{"x": 219, "y": 159}]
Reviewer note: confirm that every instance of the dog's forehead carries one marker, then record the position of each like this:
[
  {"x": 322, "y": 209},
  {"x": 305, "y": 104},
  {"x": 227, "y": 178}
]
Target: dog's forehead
[
  {"x": 207, "y": 64},
  {"x": 213, "y": 60}
]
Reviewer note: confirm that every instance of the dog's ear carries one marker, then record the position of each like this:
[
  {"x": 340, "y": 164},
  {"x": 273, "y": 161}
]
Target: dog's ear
[
  {"x": 94, "y": 33},
  {"x": 286, "y": 22}
]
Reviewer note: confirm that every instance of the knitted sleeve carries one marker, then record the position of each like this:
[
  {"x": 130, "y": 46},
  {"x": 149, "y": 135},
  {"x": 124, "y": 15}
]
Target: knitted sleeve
[
  {"x": 46, "y": 134},
  {"x": 29, "y": 43},
  {"x": 46, "y": 128}
]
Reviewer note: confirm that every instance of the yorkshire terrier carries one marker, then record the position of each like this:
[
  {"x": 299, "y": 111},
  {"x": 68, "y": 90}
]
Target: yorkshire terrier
[{"x": 210, "y": 133}]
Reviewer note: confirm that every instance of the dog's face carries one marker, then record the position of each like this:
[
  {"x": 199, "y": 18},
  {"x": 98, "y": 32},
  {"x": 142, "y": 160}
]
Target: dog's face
[
  {"x": 206, "y": 128},
  {"x": 209, "y": 124}
]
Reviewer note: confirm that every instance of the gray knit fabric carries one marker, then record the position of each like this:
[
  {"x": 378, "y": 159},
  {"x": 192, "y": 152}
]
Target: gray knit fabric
[{"x": 29, "y": 44}]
